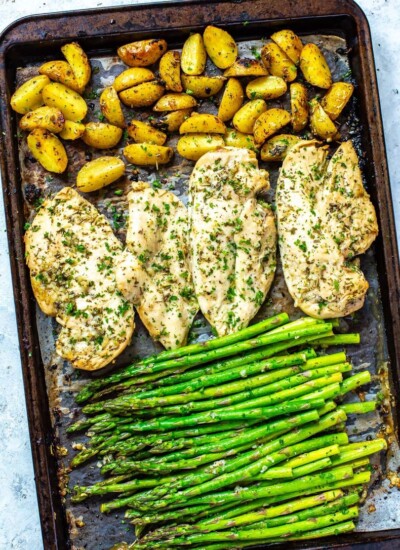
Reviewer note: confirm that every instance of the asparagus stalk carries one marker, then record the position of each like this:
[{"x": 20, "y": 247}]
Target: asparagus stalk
[
  {"x": 338, "y": 340},
  {"x": 355, "y": 381},
  {"x": 359, "y": 408}
]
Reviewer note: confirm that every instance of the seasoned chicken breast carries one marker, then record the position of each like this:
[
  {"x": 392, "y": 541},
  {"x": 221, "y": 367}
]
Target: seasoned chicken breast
[
  {"x": 232, "y": 237},
  {"x": 325, "y": 218},
  {"x": 154, "y": 273},
  {"x": 71, "y": 252}
]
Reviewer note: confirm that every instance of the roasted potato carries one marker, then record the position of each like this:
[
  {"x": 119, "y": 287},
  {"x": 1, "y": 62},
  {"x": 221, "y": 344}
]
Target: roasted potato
[
  {"x": 47, "y": 149},
  {"x": 144, "y": 133},
  {"x": 246, "y": 66},
  {"x": 314, "y": 67},
  {"x": 194, "y": 55},
  {"x": 231, "y": 100},
  {"x": 336, "y": 98},
  {"x": 101, "y": 135},
  {"x": 175, "y": 102},
  {"x": 269, "y": 123},
  {"x": 143, "y": 52},
  {"x": 220, "y": 46},
  {"x": 61, "y": 71},
  {"x": 245, "y": 118},
  {"x": 202, "y": 86},
  {"x": 233, "y": 138},
  {"x": 170, "y": 71},
  {"x": 72, "y": 130},
  {"x": 202, "y": 123},
  {"x": 111, "y": 108},
  {"x": 193, "y": 146},
  {"x": 69, "y": 102},
  {"x": 79, "y": 62},
  {"x": 99, "y": 173},
  {"x": 29, "y": 95},
  {"x": 142, "y": 95},
  {"x": 277, "y": 62},
  {"x": 320, "y": 123},
  {"x": 299, "y": 106},
  {"x": 290, "y": 43},
  {"x": 276, "y": 148},
  {"x": 132, "y": 77},
  {"x": 148, "y": 154},
  {"x": 266, "y": 87},
  {"x": 48, "y": 118},
  {"x": 172, "y": 121}
]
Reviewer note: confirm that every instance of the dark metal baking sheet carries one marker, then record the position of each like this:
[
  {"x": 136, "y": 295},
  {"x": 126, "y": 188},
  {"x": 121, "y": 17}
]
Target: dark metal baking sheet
[{"x": 100, "y": 32}]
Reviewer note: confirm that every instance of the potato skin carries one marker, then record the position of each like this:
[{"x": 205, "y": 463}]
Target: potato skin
[
  {"x": 141, "y": 132},
  {"x": 232, "y": 100},
  {"x": 320, "y": 123},
  {"x": 290, "y": 43},
  {"x": 233, "y": 138},
  {"x": 276, "y": 148},
  {"x": 266, "y": 87},
  {"x": 170, "y": 71},
  {"x": 47, "y": 149},
  {"x": 314, "y": 66},
  {"x": 61, "y": 71},
  {"x": 336, "y": 98},
  {"x": 49, "y": 118},
  {"x": 148, "y": 154},
  {"x": 72, "y": 130},
  {"x": 220, "y": 46},
  {"x": 142, "y": 95},
  {"x": 194, "y": 55},
  {"x": 202, "y": 123},
  {"x": 203, "y": 86},
  {"x": 143, "y": 52},
  {"x": 246, "y": 117},
  {"x": 277, "y": 62},
  {"x": 101, "y": 135},
  {"x": 269, "y": 123},
  {"x": 131, "y": 77},
  {"x": 69, "y": 102},
  {"x": 246, "y": 66},
  {"x": 193, "y": 146},
  {"x": 299, "y": 106},
  {"x": 172, "y": 120},
  {"x": 175, "y": 102},
  {"x": 110, "y": 106},
  {"x": 29, "y": 95},
  {"x": 79, "y": 62},
  {"x": 99, "y": 173}
]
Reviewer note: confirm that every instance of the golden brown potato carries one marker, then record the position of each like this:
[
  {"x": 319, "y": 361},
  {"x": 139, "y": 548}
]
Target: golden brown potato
[
  {"x": 143, "y": 52},
  {"x": 320, "y": 123},
  {"x": 290, "y": 43},
  {"x": 29, "y": 95},
  {"x": 148, "y": 154},
  {"x": 141, "y": 132},
  {"x": 231, "y": 100},
  {"x": 277, "y": 62},
  {"x": 194, "y": 55},
  {"x": 233, "y": 138},
  {"x": 193, "y": 146},
  {"x": 132, "y": 77},
  {"x": 246, "y": 66},
  {"x": 170, "y": 71},
  {"x": 142, "y": 95},
  {"x": 202, "y": 123},
  {"x": 101, "y": 135},
  {"x": 172, "y": 120},
  {"x": 276, "y": 148},
  {"x": 269, "y": 123},
  {"x": 72, "y": 130},
  {"x": 202, "y": 86},
  {"x": 175, "y": 102},
  {"x": 110, "y": 106},
  {"x": 49, "y": 118},
  {"x": 314, "y": 67},
  {"x": 47, "y": 149},
  {"x": 69, "y": 102},
  {"x": 220, "y": 46},
  {"x": 299, "y": 106},
  {"x": 266, "y": 87},
  {"x": 61, "y": 71},
  {"x": 79, "y": 62},
  {"x": 98, "y": 173},
  {"x": 245, "y": 118},
  {"x": 336, "y": 98}
]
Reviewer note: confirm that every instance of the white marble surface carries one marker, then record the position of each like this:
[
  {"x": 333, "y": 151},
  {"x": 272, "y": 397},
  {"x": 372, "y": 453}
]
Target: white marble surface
[{"x": 19, "y": 521}]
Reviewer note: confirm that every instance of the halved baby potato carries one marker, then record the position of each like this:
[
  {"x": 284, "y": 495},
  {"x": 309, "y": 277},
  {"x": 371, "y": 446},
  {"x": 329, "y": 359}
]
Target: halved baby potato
[
  {"x": 246, "y": 117},
  {"x": 220, "y": 46},
  {"x": 269, "y": 123},
  {"x": 299, "y": 106},
  {"x": 142, "y": 95},
  {"x": 314, "y": 66},
  {"x": 200, "y": 123},
  {"x": 79, "y": 62},
  {"x": 141, "y": 132},
  {"x": 48, "y": 150},
  {"x": 232, "y": 99},
  {"x": 277, "y": 62},
  {"x": 29, "y": 95},
  {"x": 193, "y": 146},
  {"x": 143, "y": 52},
  {"x": 131, "y": 77},
  {"x": 101, "y": 135},
  {"x": 266, "y": 87},
  {"x": 172, "y": 120},
  {"x": 194, "y": 55},
  {"x": 99, "y": 173},
  {"x": 245, "y": 66},
  {"x": 69, "y": 102},
  {"x": 320, "y": 123},
  {"x": 202, "y": 86},
  {"x": 148, "y": 154},
  {"x": 233, "y": 138},
  {"x": 290, "y": 43},
  {"x": 175, "y": 102},
  {"x": 72, "y": 130},
  {"x": 49, "y": 118},
  {"x": 170, "y": 71},
  {"x": 276, "y": 148},
  {"x": 111, "y": 108},
  {"x": 61, "y": 71},
  {"x": 336, "y": 98}
]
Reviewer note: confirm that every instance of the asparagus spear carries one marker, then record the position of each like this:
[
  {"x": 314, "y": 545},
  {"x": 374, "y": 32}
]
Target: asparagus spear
[{"x": 359, "y": 408}]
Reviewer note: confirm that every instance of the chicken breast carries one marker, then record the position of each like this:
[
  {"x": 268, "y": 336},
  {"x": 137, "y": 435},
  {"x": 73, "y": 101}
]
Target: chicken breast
[
  {"x": 325, "y": 218},
  {"x": 71, "y": 252},
  {"x": 154, "y": 273},
  {"x": 232, "y": 237}
]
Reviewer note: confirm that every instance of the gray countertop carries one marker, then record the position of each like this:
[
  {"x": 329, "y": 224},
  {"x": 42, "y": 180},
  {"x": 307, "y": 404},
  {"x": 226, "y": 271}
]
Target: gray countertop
[{"x": 19, "y": 519}]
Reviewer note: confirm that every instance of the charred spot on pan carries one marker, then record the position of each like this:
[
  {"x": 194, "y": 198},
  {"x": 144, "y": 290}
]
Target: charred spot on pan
[{"x": 32, "y": 193}]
